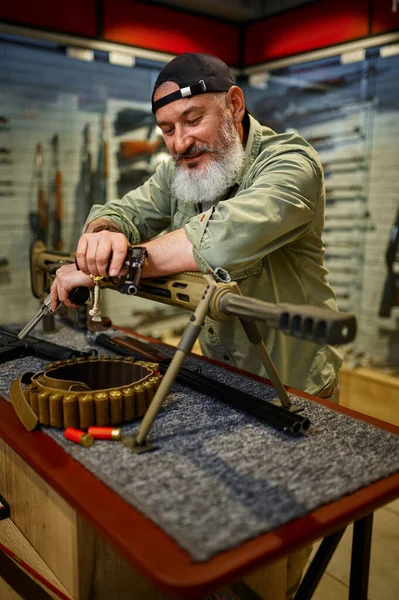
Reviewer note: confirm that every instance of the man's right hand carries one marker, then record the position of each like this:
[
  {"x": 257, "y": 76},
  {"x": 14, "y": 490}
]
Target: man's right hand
[
  {"x": 102, "y": 253},
  {"x": 66, "y": 279}
]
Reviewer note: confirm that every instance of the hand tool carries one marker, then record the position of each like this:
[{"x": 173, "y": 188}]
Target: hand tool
[{"x": 78, "y": 296}]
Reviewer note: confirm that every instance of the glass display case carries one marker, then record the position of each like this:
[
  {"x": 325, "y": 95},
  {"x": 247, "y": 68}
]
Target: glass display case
[
  {"x": 86, "y": 119},
  {"x": 347, "y": 107}
]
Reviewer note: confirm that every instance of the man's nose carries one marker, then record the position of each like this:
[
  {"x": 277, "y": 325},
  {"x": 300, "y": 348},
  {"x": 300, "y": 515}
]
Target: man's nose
[{"x": 182, "y": 141}]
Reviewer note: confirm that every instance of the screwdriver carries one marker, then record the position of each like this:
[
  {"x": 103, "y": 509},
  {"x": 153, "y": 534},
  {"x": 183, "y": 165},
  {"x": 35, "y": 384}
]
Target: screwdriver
[{"x": 78, "y": 296}]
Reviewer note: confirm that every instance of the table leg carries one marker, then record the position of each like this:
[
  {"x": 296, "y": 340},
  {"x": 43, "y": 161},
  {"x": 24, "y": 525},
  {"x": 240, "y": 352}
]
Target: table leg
[
  {"x": 360, "y": 562},
  {"x": 318, "y": 566}
]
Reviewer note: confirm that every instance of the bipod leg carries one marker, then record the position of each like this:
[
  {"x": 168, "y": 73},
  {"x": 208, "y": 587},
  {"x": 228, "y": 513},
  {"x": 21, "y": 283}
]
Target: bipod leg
[
  {"x": 254, "y": 336},
  {"x": 190, "y": 335}
]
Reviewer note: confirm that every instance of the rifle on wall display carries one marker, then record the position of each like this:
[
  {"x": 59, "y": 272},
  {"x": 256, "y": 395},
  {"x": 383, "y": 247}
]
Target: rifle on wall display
[
  {"x": 105, "y": 159},
  {"x": 38, "y": 218},
  {"x": 86, "y": 172},
  {"x": 4, "y": 271},
  {"x": 58, "y": 208},
  {"x": 133, "y": 148},
  {"x": 100, "y": 177},
  {"x": 84, "y": 189},
  {"x": 390, "y": 296}
]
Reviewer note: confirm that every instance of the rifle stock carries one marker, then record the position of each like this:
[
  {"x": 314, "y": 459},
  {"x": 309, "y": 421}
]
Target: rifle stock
[{"x": 132, "y": 148}]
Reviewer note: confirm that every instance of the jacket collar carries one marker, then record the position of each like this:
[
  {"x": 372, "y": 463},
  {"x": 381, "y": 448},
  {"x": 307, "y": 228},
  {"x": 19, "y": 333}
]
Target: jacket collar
[{"x": 252, "y": 146}]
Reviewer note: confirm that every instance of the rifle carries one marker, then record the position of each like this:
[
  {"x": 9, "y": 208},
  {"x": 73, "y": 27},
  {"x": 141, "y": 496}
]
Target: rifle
[
  {"x": 99, "y": 178},
  {"x": 105, "y": 159},
  {"x": 4, "y": 271},
  {"x": 58, "y": 212},
  {"x": 12, "y": 347},
  {"x": 186, "y": 290},
  {"x": 390, "y": 296},
  {"x": 38, "y": 219},
  {"x": 132, "y": 148},
  {"x": 84, "y": 189},
  {"x": 86, "y": 173},
  {"x": 345, "y": 136}
]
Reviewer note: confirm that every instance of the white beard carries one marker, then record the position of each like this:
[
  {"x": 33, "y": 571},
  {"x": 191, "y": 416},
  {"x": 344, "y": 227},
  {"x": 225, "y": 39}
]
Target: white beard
[{"x": 205, "y": 185}]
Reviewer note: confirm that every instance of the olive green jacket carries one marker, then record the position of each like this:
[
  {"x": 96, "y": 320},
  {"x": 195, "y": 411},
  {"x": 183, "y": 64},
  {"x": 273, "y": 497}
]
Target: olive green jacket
[{"x": 267, "y": 237}]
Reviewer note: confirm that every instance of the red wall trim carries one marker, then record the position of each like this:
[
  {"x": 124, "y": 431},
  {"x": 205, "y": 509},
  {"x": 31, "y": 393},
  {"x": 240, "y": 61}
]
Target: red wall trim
[
  {"x": 384, "y": 18},
  {"x": 168, "y": 30},
  {"x": 306, "y": 28},
  {"x": 75, "y": 17},
  {"x": 316, "y": 25}
]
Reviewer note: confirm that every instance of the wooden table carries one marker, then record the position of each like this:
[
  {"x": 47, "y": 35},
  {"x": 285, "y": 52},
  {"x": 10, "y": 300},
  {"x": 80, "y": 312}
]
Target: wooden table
[{"x": 78, "y": 526}]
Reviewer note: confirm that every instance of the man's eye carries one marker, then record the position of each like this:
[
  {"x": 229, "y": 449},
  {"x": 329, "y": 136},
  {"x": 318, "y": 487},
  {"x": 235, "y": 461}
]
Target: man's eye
[
  {"x": 194, "y": 121},
  {"x": 167, "y": 131}
]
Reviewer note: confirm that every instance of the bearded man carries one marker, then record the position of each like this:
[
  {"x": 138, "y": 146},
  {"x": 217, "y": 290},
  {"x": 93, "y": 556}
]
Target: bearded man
[{"x": 238, "y": 201}]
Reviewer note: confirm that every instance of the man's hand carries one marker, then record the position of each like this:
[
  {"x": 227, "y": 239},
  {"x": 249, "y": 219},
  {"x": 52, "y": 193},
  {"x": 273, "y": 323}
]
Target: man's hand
[
  {"x": 66, "y": 279},
  {"x": 98, "y": 251}
]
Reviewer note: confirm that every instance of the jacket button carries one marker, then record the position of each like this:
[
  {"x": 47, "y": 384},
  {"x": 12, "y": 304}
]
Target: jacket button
[
  {"x": 210, "y": 330},
  {"x": 225, "y": 357}
]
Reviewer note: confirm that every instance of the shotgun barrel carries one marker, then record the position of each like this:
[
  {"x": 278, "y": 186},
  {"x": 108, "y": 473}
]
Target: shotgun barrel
[{"x": 267, "y": 412}]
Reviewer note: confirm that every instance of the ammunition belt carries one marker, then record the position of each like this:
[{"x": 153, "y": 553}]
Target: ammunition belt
[{"x": 81, "y": 392}]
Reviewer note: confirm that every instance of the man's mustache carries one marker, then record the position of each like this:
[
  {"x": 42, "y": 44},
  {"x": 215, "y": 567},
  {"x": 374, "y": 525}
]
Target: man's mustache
[{"x": 190, "y": 152}]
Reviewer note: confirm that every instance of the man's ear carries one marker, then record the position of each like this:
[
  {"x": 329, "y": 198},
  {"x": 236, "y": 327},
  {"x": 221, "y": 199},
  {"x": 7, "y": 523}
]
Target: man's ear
[{"x": 236, "y": 103}]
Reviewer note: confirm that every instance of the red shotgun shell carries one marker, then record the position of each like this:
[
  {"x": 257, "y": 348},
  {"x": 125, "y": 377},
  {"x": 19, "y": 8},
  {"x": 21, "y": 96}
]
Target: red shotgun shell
[
  {"x": 105, "y": 433},
  {"x": 78, "y": 436}
]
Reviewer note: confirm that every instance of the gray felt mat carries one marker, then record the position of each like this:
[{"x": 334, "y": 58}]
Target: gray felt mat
[{"x": 220, "y": 477}]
